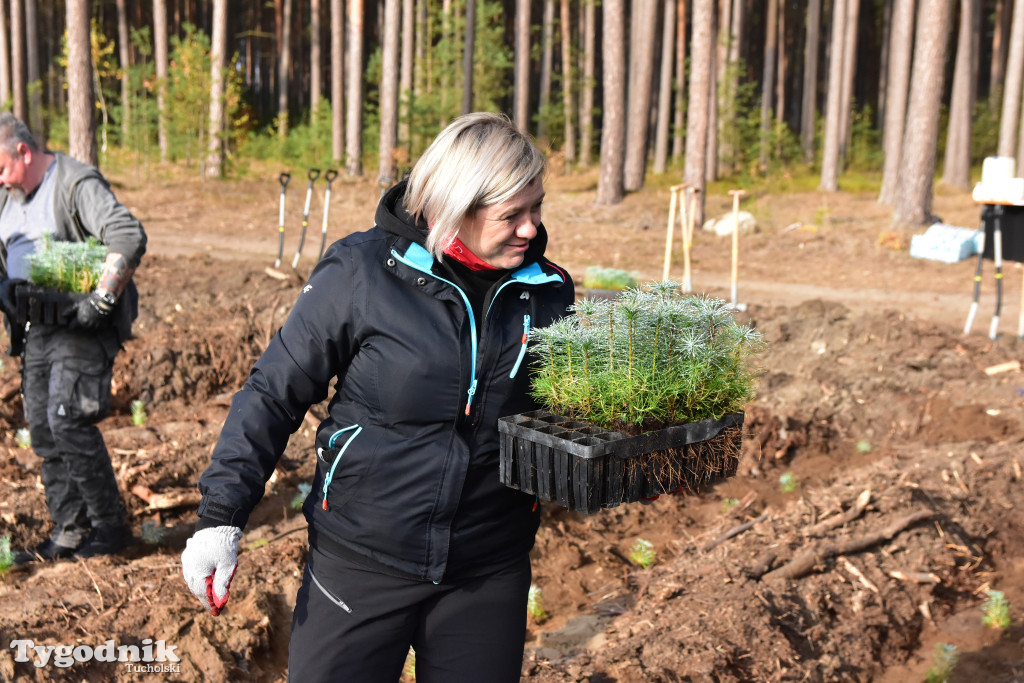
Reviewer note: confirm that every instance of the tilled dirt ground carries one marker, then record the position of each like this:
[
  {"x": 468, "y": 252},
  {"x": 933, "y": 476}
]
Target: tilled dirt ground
[{"x": 907, "y": 452}]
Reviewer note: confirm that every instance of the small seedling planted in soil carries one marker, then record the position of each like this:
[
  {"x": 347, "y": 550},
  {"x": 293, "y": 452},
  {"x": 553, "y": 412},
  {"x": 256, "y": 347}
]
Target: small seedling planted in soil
[
  {"x": 139, "y": 415},
  {"x": 535, "y": 605},
  {"x": 6, "y": 555},
  {"x": 788, "y": 482},
  {"x": 642, "y": 553},
  {"x": 300, "y": 497},
  {"x": 152, "y": 533},
  {"x": 946, "y": 658},
  {"x": 997, "y": 610},
  {"x": 23, "y": 438},
  {"x": 728, "y": 504}
]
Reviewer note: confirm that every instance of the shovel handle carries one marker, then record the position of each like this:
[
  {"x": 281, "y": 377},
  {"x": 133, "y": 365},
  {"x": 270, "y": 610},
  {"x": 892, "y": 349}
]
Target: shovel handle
[
  {"x": 330, "y": 176},
  {"x": 313, "y": 174},
  {"x": 283, "y": 179}
]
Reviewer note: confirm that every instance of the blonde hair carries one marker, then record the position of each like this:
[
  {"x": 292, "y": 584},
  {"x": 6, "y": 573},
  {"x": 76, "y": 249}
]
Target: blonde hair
[{"x": 479, "y": 160}]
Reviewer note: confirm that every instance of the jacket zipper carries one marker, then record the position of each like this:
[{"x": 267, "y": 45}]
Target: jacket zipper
[
  {"x": 337, "y": 458},
  {"x": 522, "y": 349}
]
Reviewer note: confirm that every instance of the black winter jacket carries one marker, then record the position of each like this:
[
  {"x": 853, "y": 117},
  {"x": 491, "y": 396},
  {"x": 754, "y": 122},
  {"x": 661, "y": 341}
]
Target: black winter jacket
[{"x": 407, "y": 470}]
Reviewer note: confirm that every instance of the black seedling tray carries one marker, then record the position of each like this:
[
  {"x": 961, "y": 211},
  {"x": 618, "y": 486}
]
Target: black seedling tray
[
  {"x": 584, "y": 467},
  {"x": 44, "y": 306}
]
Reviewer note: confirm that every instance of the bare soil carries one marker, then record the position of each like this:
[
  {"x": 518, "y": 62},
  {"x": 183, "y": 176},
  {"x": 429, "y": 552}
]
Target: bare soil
[{"x": 871, "y": 393}]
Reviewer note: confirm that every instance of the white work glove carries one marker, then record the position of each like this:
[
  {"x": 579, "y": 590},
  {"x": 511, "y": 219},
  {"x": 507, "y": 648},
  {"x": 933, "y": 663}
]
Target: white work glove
[{"x": 209, "y": 562}]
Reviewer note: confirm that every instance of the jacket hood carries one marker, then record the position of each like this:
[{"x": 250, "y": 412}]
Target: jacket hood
[{"x": 393, "y": 218}]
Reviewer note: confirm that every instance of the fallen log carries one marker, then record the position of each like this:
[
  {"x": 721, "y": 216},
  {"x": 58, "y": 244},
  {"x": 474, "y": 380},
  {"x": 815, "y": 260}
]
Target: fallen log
[{"x": 806, "y": 560}]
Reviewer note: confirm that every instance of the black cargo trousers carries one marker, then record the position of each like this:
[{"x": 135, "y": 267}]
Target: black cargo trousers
[{"x": 66, "y": 375}]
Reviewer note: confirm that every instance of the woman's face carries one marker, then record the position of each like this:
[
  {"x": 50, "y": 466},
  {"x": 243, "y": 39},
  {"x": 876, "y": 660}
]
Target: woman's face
[{"x": 500, "y": 234}]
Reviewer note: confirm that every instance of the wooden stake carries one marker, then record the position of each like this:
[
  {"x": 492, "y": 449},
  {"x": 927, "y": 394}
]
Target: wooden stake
[
  {"x": 736, "y": 194},
  {"x": 689, "y": 216},
  {"x": 670, "y": 229}
]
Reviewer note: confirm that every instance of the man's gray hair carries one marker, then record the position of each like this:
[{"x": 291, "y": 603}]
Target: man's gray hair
[
  {"x": 479, "y": 160},
  {"x": 13, "y": 131}
]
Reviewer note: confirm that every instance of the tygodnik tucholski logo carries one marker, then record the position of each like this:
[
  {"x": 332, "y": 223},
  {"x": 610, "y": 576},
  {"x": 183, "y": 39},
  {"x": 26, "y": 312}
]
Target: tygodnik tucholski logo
[{"x": 149, "y": 657}]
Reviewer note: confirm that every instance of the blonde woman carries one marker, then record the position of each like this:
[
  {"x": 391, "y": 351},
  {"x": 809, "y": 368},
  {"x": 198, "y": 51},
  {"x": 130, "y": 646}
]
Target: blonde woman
[{"x": 423, "y": 320}]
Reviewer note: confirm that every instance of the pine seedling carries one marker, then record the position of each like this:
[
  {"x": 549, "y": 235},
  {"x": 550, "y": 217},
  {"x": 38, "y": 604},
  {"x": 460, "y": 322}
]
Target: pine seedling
[
  {"x": 300, "y": 497},
  {"x": 23, "y": 438},
  {"x": 67, "y": 266},
  {"x": 997, "y": 610},
  {"x": 642, "y": 553},
  {"x": 728, "y": 504},
  {"x": 535, "y": 604},
  {"x": 788, "y": 482},
  {"x": 139, "y": 415},
  {"x": 611, "y": 279},
  {"x": 152, "y": 533},
  {"x": 6, "y": 555},
  {"x": 945, "y": 660}
]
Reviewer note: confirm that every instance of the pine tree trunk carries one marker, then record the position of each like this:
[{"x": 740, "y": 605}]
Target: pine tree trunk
[
  {"x": 587, "y": 98},
  {"x": 124, "y": 54},
  {"x": 725, "y": 114},
  {"x": 833, "y": 118},
  {"x": 957, "y": 167},
  {"x": 809, "y": 103},
  {"x": 699, "y": 104},
  {"x": 897, "y": 89},
  {"x": 284, "y": 67},
  {"x": 389, "y": 93},
  {"x": 914, "y": 193},
  {"x": 883, "y": 61},
  {"x": 34, "y": 81},
  {"x": 613, "y": 110},
  {"x": 5, "y": 59},
  {"x": 1000, "y": 36},
  {"x": 20, "y": 103},
  {"x": 81, "y": 101},
  {"x": 1008, "y": 122},
  {"x": 645, "y": 16},
  {"x": 849, "y": 69},
  {"x": 405, "y": 79},
  {"x": 315, "y": 75},
  {"x": 468, "y": 52},
  {"x": 546, "y": 61},
  {"x": 567, "y": 105},
  {"x": 668, "y": 28},
  {"x": 768, "y": 77},
  {"x": 354, "y": 121},
  {"x": 337, "y": 80},
  {"x": 160, "y": 65},
  {"x": 521, "y": 92},
  {"x": 678, "y": 120},
  {"x": 218, "y": 65}
]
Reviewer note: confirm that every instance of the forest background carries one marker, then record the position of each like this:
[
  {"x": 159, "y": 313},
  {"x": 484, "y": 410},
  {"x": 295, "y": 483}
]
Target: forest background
[{"x": 879, "y": 91}]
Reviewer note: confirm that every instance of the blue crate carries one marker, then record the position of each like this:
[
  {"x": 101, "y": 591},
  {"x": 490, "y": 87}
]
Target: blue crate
[{"x": 945, "y": 243}]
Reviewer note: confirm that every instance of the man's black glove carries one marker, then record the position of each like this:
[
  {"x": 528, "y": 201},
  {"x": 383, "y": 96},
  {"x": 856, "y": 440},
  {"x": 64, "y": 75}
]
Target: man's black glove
[
  {"x": 7, "y": 300},
  {"x": 93, "y": 312}
]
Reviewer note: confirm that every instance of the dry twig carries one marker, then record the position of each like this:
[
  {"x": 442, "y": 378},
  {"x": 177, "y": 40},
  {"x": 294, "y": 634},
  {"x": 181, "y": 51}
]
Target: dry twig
[
  {"x": 735, "y": 531},
  {"x": 853, "y": 513}
]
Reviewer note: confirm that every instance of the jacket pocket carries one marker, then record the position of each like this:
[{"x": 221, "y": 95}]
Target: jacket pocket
[{"x": 331, "y": 456}]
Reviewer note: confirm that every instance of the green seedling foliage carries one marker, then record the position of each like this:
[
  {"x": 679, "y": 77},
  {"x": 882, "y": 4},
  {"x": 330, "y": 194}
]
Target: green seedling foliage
[
  {"x": 945, "y": 660},
  {"x": 641, "y": 553},
  {"x": 23, "y": 438},
  {"x": 997, "y": 610},
  {"x": 67, "y": 266},
  {"x": 649, "y": 358},
  {"x": 863, "y": 446},
  {"x": 152, "y": 533},
  {"x": 139, "y": 415},
  {"x": 535, "y": 604},
  {"x": 788, "y": 482},
  {"x": 300, "y": 497},
  {"x": 613, "y": 279},
  {"x": 728, "y": 504},
  {"x": 6, "y": 555}
]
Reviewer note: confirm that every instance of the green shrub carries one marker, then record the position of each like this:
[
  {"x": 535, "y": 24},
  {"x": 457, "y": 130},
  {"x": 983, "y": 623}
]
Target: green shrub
[{"x": 646, "y": 359}]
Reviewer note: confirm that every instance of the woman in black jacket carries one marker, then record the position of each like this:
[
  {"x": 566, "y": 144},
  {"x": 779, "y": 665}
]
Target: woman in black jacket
[{"x": 424, "y": 321}]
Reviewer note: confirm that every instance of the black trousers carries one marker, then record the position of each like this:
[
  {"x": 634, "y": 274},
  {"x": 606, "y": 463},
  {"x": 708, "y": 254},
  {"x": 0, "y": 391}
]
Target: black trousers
[
  {"x": 66, "y": 385},
  {"x": 357, "y": 624}
]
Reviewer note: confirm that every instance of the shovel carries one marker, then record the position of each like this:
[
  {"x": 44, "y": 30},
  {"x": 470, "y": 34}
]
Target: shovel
[
  {"x": 313, "y": 174},
  {"x": 330, "y": 176},
  {"x": 283, "y": 179}
]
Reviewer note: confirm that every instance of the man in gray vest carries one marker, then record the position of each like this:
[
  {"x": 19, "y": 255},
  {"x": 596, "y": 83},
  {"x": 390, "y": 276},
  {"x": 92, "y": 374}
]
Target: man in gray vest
[{"x": 67, "y": 368}]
